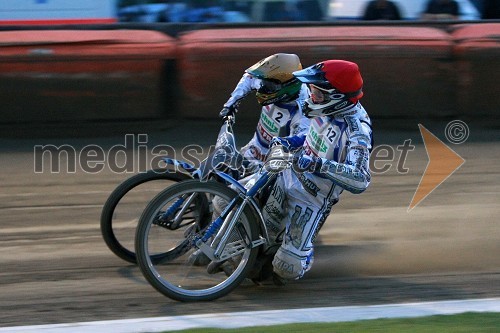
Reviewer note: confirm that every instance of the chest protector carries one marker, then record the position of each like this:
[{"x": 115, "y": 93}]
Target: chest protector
[
  {"x": 274, "y": 121},
  {"x": 327, "y": 138}
]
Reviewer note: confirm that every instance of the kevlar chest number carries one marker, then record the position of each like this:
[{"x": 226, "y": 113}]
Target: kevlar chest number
[
  {"x": 279, "y": 116},
  {"x": 330, "y": 135}
]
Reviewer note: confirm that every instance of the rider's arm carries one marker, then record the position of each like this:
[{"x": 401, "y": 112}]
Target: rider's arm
[
  {"x": 299, "y": 124},
  {"x": 354, "y": 173},
  {"x": 246, "y": 84}
]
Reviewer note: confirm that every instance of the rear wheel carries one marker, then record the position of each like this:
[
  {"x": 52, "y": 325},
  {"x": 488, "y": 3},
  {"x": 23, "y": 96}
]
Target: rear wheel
[
  {"x": 179, "y": 276},
  {"x": 124, "y": 206}
]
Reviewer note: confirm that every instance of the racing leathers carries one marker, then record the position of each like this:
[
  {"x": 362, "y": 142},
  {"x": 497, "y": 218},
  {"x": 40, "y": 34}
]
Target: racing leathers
[
  {"x": 337, "y": 150},
  {"x": 276, "y": 120}
]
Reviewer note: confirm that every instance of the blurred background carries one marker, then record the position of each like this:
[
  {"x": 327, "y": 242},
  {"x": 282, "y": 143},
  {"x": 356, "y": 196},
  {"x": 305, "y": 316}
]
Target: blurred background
[
  {"x": 269, "y": 10},
  {"x": 152, "y": 11},
  {"x": 79, "y": 73},
  {"x": 149, "y": 59}
]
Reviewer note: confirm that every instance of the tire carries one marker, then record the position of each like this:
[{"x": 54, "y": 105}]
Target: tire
[
  {"x": 178, "y": 277},
  {"x": 118, "y": 225}
]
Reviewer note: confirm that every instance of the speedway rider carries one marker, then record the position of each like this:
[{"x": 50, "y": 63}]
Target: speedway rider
[
  {"x": 332, "y": 156},
  {"x": 281, "y": 96}
]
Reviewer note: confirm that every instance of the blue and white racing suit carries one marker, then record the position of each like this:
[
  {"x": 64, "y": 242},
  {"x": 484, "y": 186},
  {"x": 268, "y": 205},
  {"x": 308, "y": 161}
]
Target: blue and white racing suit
[
  {"x": 280, "y": 119},
  {"x": 301, "y": 202}
]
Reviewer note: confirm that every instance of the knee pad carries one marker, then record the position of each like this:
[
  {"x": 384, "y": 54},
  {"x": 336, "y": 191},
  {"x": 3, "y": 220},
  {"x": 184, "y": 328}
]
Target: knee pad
[{"x": 291, "y": 266}]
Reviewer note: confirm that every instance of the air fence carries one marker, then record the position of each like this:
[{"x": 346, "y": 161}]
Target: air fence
[{"x": 129, "y": 72}]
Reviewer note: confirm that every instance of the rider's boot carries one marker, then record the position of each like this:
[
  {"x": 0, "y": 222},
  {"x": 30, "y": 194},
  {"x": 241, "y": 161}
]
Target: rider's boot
[
  {"x": 278, "y": 280},
  {"x": 263, "y": 267},
  {"x": 227, "y": 266},
  {"x": 198, "y": 258}
]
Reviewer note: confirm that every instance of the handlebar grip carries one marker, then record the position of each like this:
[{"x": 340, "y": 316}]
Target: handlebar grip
[{"x": 228, "y": 111}]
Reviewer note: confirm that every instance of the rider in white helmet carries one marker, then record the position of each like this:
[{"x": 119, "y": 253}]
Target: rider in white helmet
[
  {"x": 332, "y": 157},
  {"x": 281, "y": 96}
]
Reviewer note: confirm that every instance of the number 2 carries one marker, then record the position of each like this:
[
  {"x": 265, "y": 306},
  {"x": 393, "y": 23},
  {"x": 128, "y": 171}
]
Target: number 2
[{"x": 278, "y": 117}]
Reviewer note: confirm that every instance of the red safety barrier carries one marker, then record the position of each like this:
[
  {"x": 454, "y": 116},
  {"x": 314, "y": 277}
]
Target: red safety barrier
[
  {"x": 82, "y": 75},
  {"x": 406, "y": 69},
  {"x": 478, "y": 52},
  {"x": 468, "y": 36}
]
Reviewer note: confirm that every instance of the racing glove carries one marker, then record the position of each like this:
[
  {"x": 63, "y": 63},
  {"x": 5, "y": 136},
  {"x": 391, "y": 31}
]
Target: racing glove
[
  {"x": 306, "y": 163},
  {"x": 289, "y": 143},
  {"x": 228, "y": 111}
]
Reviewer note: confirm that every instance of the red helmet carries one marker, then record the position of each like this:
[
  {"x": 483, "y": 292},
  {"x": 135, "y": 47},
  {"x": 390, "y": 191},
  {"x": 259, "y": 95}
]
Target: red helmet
[{"x": 335, "y": 85}]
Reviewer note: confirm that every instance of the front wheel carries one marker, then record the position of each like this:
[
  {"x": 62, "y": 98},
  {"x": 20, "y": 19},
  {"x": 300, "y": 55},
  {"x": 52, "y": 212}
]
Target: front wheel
[{"x": 182, "y": 276}]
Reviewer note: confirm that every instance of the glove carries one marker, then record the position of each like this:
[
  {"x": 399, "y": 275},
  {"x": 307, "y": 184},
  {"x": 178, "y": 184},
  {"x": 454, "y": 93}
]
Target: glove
[
  {"x": 227, "y": 111},
  {"x": 306, "y": 163},
  {"x": 280, "y": 141},
  {"x": 289, "y": 142},
  {"x": 249, "y": 168}
]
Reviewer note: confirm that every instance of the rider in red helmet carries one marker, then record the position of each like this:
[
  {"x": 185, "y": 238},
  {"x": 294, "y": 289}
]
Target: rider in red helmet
[
  {"x": 332, "y": 157},
  {"x": 335, "y": 85}
]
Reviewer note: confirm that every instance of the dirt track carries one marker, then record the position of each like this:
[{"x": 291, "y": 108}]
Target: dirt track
[{"x": 55, "y": 268}]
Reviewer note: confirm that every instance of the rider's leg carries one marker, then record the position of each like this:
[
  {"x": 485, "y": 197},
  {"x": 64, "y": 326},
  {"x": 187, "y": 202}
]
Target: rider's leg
[
  {"x": 198, "y": 258},
  {"x": 273, "y": 213},
  {"x": 296, "y": 254},
  {"x": 229, "y": 265},
  {"x": 306, "y": 213}
]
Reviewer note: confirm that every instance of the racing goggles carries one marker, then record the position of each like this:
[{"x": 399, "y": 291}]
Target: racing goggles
[
  {"x": 270, "y": 86},
  {"x": 321, "y": 95}
]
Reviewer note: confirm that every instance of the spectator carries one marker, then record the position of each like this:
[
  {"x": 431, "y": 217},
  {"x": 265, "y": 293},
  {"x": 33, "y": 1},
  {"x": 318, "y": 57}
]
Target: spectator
[
  {"x": 310, "y": 10},
  {"x": 491, "y": 10},
  {"x": 381, "y": 10},
  {"x": 204, "y": 11},
  {"x": 280, "y": 11},
  {"x": 441, "y": 10}
]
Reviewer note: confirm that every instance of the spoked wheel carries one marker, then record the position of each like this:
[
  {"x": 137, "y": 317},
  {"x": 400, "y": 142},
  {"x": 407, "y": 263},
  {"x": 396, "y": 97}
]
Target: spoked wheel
[
  {"x": 187, "y": 274},
  {"x": 124, "y": 206}
]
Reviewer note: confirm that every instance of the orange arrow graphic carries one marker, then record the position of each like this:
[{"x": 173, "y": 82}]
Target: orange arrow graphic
[{"x": 443, "y": 162}]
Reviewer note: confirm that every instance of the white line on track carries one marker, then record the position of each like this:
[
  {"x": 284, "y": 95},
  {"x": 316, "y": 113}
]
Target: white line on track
[{"x": 265, "y": 318}]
